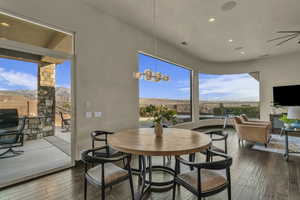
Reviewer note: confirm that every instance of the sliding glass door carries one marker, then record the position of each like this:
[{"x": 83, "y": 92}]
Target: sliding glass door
[{"x": 36, "y": 108}]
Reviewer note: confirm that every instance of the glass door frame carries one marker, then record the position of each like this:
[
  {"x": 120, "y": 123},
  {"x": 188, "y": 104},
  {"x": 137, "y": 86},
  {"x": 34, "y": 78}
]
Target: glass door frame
[{"x": 26, "y": 48}]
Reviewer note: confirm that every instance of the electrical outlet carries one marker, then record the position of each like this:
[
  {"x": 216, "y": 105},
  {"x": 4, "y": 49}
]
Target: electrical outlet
[
  {"x": 98, "y": 114},
  {"x": 88, "y": 115}
]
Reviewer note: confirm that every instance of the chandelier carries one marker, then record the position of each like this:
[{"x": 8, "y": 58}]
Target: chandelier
[{"x": 149, "y": 75}]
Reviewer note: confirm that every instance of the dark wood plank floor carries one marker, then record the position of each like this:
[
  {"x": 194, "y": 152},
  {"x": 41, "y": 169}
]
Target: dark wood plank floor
[{"x": 255, "y": 176}]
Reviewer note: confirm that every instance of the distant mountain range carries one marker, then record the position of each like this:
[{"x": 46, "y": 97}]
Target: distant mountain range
[{"x": 62, "y": 92}]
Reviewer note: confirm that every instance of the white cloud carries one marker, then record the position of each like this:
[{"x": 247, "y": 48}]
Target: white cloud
[
  {"x": 13, "y": 78},
  {"x": 185, "y": 89},
  {"x": 229, "y": 88},
  {"x": 63, "y": 85},
  {"x": 184, "y": 85}
]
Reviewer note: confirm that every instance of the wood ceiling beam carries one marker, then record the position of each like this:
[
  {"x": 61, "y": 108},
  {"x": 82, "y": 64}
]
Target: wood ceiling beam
[{"x": 59, "y": 42}]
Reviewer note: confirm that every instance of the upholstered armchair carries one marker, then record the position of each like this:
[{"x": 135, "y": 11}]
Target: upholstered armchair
[
  {"x": 245, "y": 119},
  {"x": 252, "y": 132}
]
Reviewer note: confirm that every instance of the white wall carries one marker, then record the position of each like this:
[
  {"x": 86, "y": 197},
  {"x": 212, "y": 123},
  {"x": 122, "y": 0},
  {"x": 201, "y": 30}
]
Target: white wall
[{"x": 106, "y": 58}]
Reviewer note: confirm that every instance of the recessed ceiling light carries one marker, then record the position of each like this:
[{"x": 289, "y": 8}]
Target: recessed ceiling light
[
  {"x": 212, "y": 19},
  {"x": 242, "y": 52},
  {"x": 238, "y": 48},
  {"x": 230, "y": 40},
  {"x": 184, "y": 43},
  {"x": 5, "y": 24}
]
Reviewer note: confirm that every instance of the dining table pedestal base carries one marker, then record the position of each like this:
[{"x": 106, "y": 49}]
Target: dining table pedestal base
[
  {"x": 160, "y": 186},
  {"x": 146, "y": 182}
]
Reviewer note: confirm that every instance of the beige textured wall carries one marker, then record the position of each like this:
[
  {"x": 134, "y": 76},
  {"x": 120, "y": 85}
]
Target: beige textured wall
[{"x": 106, "y": 57}]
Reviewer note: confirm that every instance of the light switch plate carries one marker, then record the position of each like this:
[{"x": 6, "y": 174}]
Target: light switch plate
[
  {"x": 88, "y": 115},
  {"x": 98, "y": 114}
]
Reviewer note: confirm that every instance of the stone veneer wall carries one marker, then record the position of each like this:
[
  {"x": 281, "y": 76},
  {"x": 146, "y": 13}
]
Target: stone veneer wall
[{"x": 46, "y": 100}]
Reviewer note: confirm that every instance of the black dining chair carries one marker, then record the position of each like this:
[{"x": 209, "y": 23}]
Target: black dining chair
[
  {"x": 216, "y": 136},
  {"x": 102, "y": 172},
  {"x": 208, "y": 178},
  {"x": 101, "y": 137}
]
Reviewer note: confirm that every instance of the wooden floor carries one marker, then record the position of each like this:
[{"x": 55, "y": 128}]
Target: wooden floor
[{"x": 255, "y": 175}]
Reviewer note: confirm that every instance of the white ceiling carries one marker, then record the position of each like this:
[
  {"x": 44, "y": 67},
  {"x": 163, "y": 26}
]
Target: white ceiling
[{"x": 250, "y": 24}]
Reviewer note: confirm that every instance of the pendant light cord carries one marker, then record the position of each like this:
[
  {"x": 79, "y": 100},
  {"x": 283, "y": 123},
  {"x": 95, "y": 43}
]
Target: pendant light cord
[
  {"x": 154, "y": 27},
  {"x": 154, "y": 33}
]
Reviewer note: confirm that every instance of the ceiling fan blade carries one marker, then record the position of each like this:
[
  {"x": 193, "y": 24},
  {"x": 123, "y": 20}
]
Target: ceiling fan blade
[
  {"x": 288, "y": 31},
  {"x": 284, "y": 41},
  {"x": 282, "y": 37}
]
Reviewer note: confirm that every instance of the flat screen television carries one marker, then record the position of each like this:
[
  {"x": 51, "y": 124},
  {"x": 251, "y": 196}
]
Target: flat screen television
[{"x": 286, "y": 95}]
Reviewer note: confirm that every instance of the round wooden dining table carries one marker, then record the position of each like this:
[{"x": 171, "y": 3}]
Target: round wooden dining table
[{"x": 144, "y": 143}]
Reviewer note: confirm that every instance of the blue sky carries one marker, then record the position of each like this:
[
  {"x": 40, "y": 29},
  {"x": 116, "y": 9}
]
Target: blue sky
[
  {"x": 235, "y": 87},
  {"x": 232, "y": 87},
  {"x": 20, "y": 75}
]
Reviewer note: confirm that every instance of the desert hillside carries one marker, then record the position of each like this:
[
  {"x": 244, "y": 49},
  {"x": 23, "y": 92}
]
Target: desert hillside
[{"x": 25, "y": 101}]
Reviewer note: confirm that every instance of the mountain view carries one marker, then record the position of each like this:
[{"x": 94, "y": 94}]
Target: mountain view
[
  {"x": 60, "y": 92},
  {"x": 25, "y": 101}
]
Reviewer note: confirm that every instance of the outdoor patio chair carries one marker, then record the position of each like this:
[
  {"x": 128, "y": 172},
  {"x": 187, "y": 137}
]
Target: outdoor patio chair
[
  {"x": 10, "y": 139},
  {"x": 104, "y": 173},
  {"x": 65, "y": 123},
  {"x": 209, "y": 178}
]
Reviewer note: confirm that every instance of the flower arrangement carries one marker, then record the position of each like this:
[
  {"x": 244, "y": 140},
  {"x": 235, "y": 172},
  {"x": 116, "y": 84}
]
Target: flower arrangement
[{"x": 160, "y": 114}]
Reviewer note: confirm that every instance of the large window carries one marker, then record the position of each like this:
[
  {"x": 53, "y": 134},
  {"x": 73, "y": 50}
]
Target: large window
[
  {"x": 222, "y": 95},
  {"x": 175, "y": 93}
]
